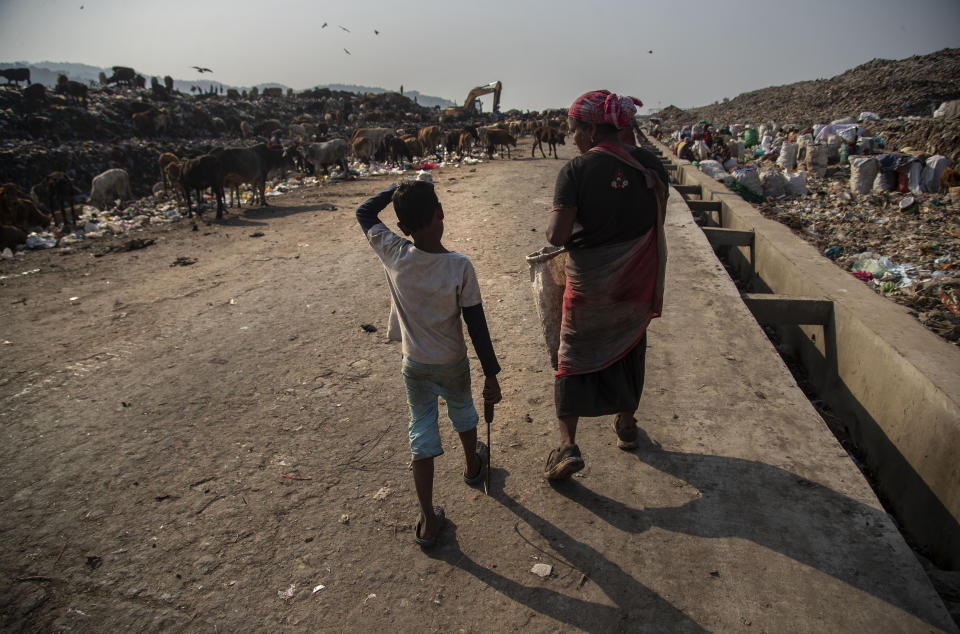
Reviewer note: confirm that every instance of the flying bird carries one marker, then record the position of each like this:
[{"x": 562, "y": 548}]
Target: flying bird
[
  {"x": 324, "y": 25},
  {"x": 344, "y": 28},
  {"x": 376, "y": 32},
  {"x": 346, "y": 51},
  {"x": 651, "y": 52},
  {"x": 201, "y": 69}
]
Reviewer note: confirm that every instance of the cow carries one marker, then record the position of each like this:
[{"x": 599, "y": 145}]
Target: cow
[
  {"x": 501, "y": 139},
  {"x": 35, "y": 94},
  {"x": 412, "y": 143},
  {"x": 16, "y": 75},
  {"x": 73, "y": 89},
  {"x": 264, "y": 128},
  {"x": 18, "y": 210},
  {"x": 198, "y": 174},
  {"x": 56, "y": 192},
  {"x": 322, "y": 155},
  {"x": 367, "y": 143},
  {"x": 252, "y": 165},
  {"x": 549, "y": 135},
  {"x": 430, "y": 137},
  {"x": 113, "y": 184},
  {"x": 396, "y": 149},
  {"x": 123, "y": 75},
  {"x": 165, "y": 159}
]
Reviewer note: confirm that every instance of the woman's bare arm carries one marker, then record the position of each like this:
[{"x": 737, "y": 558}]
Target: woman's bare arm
[{"x": 561, "y": 225}]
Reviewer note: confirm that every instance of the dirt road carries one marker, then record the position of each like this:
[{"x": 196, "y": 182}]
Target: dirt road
[{"x": 222, "y": 447}]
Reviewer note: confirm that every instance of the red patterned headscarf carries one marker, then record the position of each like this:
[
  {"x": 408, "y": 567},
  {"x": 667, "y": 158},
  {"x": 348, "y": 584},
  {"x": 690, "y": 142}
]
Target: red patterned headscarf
[{"x": 602, "y": 106}]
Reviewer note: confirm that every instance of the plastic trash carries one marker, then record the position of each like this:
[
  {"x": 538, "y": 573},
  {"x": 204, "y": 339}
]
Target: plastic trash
[
  {"x": 872, "y": 263},
  {"x": 542, "y": 570},
  {"x": 869, "y": 116},
  {"x": 7, "y": 254},
  {"x": 863, "y": 172},
  {"x": 796, "y": 182},
  {"x": 38, "y": 241},
  {"x": 715, "y": 170},
  {"x": 788, "y": 155},
  {"x": 816, "y": 159},
  {"x": 774, "y": 184},
  {"x": 931, "y": 173},
  {"x": 749, "y": 179}
]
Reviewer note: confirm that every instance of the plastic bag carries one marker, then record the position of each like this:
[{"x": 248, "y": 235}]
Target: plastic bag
[
  {"x": 913, "y": 178},
  {"x": 549, "y": 282},
  {"x": 863, "y": 171},
  {"x": 932, "y": 171},
  {"x": 869, "y": 116},
  {"x": 750, "y": 137},
  {"x": 774, "y": 184},
  {"x": 715, "y": 170},
  {"x": 749, "y": 179},
  {"x": 816, "y": 159},
  {"x": 788, "y": 155},
  {"x": 796, "y": 182}
]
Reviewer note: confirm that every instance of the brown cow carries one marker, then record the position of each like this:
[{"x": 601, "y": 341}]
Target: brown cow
[
  {"x": 548, "y": 135},
  {"x": 430, "y": 137},
  {"x": 56, "y": 191},
  {"x": 18, "y": 210},
  {"x": 501, "y": 139}
]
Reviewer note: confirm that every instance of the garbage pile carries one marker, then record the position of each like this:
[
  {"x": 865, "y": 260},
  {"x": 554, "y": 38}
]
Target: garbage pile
[
  {"x": 915, "y": 86},
  {"x": 55, "y": 132},
  {"x": 889, "y": 216}
]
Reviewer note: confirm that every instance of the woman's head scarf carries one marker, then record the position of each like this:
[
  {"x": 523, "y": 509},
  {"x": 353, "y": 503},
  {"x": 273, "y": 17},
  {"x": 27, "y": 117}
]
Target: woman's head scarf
[{"x": 602, "y": 106}]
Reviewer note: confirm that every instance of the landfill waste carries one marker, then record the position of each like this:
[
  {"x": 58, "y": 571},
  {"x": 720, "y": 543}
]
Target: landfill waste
[{"x": 542, "y": 570}]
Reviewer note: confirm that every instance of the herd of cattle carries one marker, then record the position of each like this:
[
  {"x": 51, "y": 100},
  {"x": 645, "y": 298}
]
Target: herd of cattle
[{"x": 229, "y": 168}]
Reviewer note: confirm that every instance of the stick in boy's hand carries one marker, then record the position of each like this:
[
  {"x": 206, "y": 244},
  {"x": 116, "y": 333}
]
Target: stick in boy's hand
[{"x": 491, "y": 396}]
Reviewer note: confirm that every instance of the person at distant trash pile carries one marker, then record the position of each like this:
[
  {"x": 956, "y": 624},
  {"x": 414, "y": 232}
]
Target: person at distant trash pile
[
  {"x": 608, "y": 210},
  {"x": 430, "y": 289},
  {"x": 685, "y": 150}
]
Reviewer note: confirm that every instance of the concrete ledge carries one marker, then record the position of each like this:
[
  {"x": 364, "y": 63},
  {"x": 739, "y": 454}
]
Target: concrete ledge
[
  {"x": 786, "y": 309},
  {"x": 873, "y": 363}
]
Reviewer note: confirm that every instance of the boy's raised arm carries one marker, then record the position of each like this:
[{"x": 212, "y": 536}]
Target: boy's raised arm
[{"x": 368, "y": 212}]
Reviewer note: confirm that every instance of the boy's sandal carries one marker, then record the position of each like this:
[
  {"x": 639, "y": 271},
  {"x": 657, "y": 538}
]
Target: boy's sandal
[
  {"x": 427, "y": 543},
  {"x": 563, "y": 463},
  {"x": 626, "y": 436},
  {"x": 483, "y": 452}
]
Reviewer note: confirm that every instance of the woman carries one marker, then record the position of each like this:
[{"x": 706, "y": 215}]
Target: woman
[{"x": 608, "y": 212}]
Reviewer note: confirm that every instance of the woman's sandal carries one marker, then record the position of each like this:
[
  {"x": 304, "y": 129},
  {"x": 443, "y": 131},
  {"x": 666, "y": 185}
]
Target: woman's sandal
[
  {"x": 483, "y": 452},
  {"x": 563, "y": 463},
  {"x": 428, "y": 543},
  {"x": 626, "y": 436}
]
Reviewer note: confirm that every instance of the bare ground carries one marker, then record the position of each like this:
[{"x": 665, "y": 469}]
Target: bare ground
[{"x": 183, "y": 446}]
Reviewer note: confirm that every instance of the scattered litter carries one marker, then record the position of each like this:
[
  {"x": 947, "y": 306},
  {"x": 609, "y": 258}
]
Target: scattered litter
[
  {"x": 368, "y": 328},
  {"x": 542, "y": 570},
  {"x": 318, "y": 588},
  {"x": 288, "y": 593},
  {"x": 184, "y": 261},
  {"x": 344, "y": 519},
  {"x": 382, "y": 493}
]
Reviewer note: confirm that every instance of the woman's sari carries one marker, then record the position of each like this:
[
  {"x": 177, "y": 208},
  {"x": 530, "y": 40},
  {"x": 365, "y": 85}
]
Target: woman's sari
[{"x": 612, "y": 291}]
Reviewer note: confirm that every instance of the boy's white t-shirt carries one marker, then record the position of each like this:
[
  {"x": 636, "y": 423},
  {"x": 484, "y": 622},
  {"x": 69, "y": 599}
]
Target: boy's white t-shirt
[{"x": 428, "y": 291}]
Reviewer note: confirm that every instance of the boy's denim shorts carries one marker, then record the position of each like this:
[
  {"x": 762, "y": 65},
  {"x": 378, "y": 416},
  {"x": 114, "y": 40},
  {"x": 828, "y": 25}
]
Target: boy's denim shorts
[{"x": 424, "y": 383}]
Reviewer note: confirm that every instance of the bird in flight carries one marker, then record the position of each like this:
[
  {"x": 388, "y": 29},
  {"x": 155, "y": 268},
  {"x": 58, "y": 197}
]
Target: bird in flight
[
  {"x": 346, "y": 51},
  {"x": 376, "y": 32},
  {"x": 344, "y": 28},
  {"x": 201, "y": 69},
  {"x": 324, "y": 25}
]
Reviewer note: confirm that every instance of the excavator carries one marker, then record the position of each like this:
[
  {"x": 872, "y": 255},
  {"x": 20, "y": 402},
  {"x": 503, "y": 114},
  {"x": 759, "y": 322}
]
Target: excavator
[{"x": 469, "y": 104}]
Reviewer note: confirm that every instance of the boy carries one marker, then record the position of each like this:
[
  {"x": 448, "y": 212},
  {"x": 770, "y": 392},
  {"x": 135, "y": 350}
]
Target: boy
[{"x": 430, "y": 288}]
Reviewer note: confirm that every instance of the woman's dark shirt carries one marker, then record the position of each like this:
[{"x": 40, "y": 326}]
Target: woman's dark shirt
[{"x": 612, "y": 200}]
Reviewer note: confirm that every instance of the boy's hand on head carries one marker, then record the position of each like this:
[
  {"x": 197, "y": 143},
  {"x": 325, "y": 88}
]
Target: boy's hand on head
[{"x": 491, "y": 390}]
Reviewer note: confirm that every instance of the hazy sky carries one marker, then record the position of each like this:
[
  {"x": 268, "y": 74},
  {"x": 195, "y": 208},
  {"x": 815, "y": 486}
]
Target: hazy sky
[{"x": 545, "y": 53}]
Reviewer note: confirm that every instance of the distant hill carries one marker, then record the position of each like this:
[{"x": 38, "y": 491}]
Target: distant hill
[{"x": 46, "y": 73}]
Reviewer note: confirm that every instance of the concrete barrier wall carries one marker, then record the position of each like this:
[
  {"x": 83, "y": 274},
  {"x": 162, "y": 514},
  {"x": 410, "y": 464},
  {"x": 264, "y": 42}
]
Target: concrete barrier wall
[{"x": 874, "y": 364}]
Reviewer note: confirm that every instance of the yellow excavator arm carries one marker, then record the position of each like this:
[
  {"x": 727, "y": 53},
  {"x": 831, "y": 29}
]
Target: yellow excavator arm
[{"x": 493, "y": 87}]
